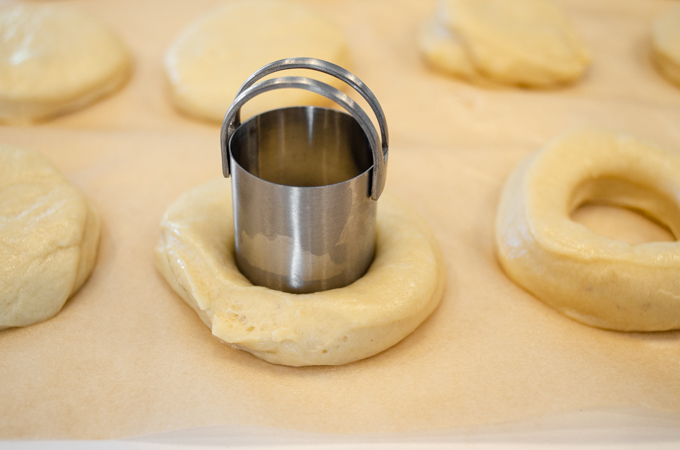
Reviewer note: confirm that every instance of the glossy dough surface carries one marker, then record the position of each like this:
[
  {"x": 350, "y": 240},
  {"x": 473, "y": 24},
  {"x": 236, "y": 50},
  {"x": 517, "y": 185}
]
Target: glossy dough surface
[
  {"x": 210, "y": 59},
  {"x": 54, "y": 59},
  {"x": 666, "y": 44},
  {"x": 518, "y": 42},
  {"x": 593, "y": 279},
  {"x": 402, "y": 287},
  {"x": 48, "y": 238}
]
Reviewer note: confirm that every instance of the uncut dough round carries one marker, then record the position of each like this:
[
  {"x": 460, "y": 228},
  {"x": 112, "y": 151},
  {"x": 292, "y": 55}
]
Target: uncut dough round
[
  {"x": 48, "y": 238},
  {"x": 666, "y": 44},
  {"x": 54, "y": 59},
  {"x": 444, "y": 51},
  {"x": 210, "y": 60},
  {"x": 402, "y": 287},
  {"x": 518, "y": 42},
  {"x": 593, "y": 279}
]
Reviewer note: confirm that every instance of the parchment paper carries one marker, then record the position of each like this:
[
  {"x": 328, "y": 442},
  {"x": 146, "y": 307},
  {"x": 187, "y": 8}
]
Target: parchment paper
[{"x": 127, "y": 357}]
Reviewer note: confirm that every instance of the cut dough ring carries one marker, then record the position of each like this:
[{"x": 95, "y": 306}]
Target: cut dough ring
[
  {"x": 402, "y": 287},
  {"x": 590, "y": 278}
]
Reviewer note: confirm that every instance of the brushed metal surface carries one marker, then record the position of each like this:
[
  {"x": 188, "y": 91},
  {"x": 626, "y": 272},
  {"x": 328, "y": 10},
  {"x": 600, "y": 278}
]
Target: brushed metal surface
[
  {"x": 304, "y": 187},
  {"x": 303, "y": 217},
  {"x": 248, "y": 90}
]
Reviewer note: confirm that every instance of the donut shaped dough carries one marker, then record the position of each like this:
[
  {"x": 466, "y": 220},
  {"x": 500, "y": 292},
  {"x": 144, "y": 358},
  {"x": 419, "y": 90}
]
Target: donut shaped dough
[
  {"x": 54, "y": 59},
  {"x": 48, "y": 238},
  {"x": 210, "y": 59},
  {"x": 402, "y": 287},
  {"x": 593, "y": 279},
  {"x": 666, "y": 44},
  {"x": 518, "y": 42}
]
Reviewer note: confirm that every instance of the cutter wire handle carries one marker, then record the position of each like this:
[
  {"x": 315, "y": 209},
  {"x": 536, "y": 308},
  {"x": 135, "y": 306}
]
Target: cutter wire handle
[{"x": 250, "y": 89}]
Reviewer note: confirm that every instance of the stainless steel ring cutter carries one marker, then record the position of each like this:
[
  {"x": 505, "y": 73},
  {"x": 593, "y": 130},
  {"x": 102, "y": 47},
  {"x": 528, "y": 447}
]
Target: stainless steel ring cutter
[{"x": 305, "y": 182}]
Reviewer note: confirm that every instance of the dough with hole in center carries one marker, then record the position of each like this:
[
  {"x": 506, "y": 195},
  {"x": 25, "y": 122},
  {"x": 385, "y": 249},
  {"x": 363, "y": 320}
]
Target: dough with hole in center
[
  {"x": 666, "y": 44},
  {"x": 596, "y": 280},
  {"x": 402, "y": 287},
  {"x": 518, "y": 42},
  {"x": 210, "y": 60},
  {"x": 54, "y": 59},
  {"x": 48, "y": 238}
]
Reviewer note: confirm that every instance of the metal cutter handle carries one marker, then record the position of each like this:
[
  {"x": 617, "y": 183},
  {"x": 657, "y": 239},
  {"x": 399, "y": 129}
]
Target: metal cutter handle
[{"x": 249, "y": 90}]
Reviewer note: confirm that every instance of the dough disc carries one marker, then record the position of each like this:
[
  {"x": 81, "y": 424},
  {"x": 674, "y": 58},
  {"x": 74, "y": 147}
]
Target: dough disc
[
  {"x": 402, "y": 287},
  {"x": 48, "y": 238},
  {"x": 210, "y": 60},
  {"x": 518, "y": 42},
  {"x": 444, "y": 51},
  {"x": 54, "y": 59},
  {"x": 593, "y": 279},
  {"x": 666, "y": 44}
]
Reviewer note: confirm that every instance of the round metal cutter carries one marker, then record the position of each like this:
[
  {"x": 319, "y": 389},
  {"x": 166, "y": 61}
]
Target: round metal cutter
[{"x": 305, "y": 182}]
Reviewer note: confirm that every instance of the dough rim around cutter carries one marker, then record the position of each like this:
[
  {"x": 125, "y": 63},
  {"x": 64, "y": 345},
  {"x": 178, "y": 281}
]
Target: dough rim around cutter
[
  {"x": 405, "y": 283},
  {"x": 595, "y": 280}
]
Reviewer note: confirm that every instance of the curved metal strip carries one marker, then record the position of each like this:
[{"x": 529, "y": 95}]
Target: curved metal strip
[
  {"x": 331, "y": 93},
  {"x": 379, "y": 163}
]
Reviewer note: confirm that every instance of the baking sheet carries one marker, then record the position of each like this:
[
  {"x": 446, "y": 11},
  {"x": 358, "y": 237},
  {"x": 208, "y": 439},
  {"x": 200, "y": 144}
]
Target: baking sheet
[{"x": 127, "y": 357}]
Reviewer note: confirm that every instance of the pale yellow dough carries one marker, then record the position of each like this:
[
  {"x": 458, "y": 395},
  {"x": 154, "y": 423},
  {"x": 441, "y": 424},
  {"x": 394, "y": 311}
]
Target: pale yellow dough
[
  {"x": 593, "y": 279},
  {"x": 444, "y": 51},
  {"x": 517, "y": 42},
  {"x": 210, "y": 59},
  {"x": 54, "y": 59},
  {"x": 402, "y": 287},
  {"x": 666, "y": 44},
  {"x": 48, "y": 238}
]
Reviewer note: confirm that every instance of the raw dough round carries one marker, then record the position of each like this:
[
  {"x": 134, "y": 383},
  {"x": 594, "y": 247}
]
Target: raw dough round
[
  {"x": 593, "y": 279},
  {"x": 666, "y": 44},
  {"x": 444, "y": 51},
  {"x": 55, "y": 59},
  {"x": 48, "y": 238},
  {"x": 209, "y": 61},
  {"x": 519, "y": 42},
  {"x": 402, "y": 287}
]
